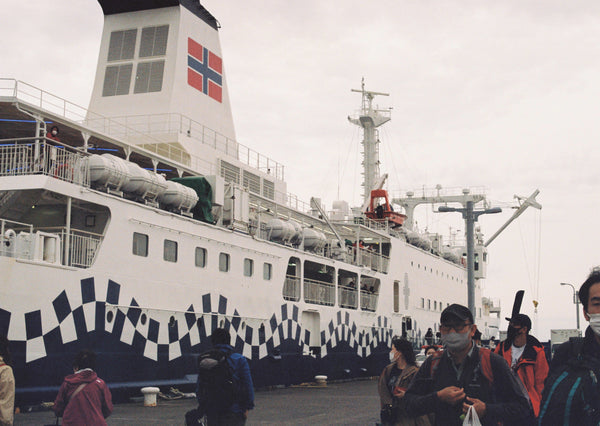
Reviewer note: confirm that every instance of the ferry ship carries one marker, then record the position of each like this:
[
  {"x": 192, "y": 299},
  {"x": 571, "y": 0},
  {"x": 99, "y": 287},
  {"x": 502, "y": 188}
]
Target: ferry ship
[{"x": 143, "y": 225}]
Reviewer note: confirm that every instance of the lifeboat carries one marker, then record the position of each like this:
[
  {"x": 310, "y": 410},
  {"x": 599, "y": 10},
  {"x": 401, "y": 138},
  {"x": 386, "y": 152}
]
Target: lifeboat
[{"x": 379, "y": 211}]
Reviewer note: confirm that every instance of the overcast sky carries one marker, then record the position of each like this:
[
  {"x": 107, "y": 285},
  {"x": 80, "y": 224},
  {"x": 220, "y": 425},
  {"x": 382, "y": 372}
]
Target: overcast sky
[{"x": 501, "y": 95}]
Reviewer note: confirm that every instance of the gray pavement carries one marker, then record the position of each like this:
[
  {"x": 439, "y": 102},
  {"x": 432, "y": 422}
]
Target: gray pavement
[{"x": 349, "y": 403}]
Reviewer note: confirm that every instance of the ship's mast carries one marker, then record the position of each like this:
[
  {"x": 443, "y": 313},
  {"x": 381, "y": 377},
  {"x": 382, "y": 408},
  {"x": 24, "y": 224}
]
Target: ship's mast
[{"x": 369, "y": 120}]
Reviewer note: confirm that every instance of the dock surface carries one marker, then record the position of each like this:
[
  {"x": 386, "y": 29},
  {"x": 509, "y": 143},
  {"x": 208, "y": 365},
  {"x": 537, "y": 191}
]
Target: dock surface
[{"x": 348, "y": 403}]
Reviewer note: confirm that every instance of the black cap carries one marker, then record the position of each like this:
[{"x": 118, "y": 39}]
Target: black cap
[
  {"x": 520, "y": 320},
  {"x": 455, "y": 310}
]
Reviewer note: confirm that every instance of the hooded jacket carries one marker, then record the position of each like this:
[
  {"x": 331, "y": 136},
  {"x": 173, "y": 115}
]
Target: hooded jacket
[
  {"x": 90, "y": 406},
  {"x": 532, "y": 368}
]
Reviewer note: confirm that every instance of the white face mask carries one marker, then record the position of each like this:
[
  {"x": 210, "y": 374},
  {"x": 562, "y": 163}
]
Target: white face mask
[
  {"x": 393, "y": 356},
  {"x": 595, "y": 323},
  {"x": 455, "y": 342}
]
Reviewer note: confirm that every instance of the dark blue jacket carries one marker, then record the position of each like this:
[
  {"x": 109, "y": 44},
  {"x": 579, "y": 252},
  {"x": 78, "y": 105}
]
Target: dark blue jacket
[
  {"x": 590, "y": 351},
  {"x": 241, "y": 376}
]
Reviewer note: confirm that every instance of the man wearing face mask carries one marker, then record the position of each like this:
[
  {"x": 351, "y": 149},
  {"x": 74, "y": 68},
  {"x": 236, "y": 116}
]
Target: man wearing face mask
[
  {"x": 526, "y": 356},
  {"x": 464, "y": 375},
  {"x": 586, "y": 352}
]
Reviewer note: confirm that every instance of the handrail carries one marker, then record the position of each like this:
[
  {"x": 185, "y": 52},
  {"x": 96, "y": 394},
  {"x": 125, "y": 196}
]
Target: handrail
[{"x": 120, "y": 126}]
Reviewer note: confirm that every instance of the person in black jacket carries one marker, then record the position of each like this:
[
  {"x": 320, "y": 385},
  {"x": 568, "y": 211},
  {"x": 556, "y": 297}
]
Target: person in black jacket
[{"x": 448, "y": 383}]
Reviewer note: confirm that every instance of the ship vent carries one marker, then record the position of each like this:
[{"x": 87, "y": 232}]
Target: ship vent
[
  {"x": 252, "y": 182},
  {"x": 268, "y": 189},
  {"x": 230, "y": 173}
]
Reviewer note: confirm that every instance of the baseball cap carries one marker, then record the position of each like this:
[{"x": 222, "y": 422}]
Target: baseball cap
[
  {"x": 456, "y": 311},
  {"x": 521, "y": 320}
]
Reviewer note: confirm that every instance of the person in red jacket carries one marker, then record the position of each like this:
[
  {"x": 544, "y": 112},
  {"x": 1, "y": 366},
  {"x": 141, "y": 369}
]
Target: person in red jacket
[
  {"x": 83, "y": 398},
  {"x": 526, "y": 356}
]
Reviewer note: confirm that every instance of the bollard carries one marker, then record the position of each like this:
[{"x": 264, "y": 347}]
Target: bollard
[
  {"x": 150, "y": 396},
  {"x": 321, "y": 380}
]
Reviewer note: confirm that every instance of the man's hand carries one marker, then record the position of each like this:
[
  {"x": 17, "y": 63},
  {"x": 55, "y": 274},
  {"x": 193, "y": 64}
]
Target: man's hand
[
  {"x": 451, "y": 395},
  {"x": 478, "y": 405}
]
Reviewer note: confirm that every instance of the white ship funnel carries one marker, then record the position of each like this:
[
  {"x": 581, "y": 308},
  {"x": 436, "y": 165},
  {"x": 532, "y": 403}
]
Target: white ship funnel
[{"x": 160, "y": 72}]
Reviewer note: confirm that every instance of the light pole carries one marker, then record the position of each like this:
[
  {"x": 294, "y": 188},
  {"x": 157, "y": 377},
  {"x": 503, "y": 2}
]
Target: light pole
[
  {"x": 470, "y": 216},
  {"x": 575, "y": 300}
]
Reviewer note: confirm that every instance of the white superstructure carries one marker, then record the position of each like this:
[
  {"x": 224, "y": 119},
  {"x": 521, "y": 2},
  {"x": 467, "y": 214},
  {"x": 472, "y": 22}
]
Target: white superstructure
[{"x": 146, "y": 226}]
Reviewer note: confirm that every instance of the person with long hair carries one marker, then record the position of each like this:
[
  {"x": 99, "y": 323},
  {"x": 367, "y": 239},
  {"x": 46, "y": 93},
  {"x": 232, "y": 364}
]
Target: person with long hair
[
  {"x": 394, "y": 381},
  {"x": 7, "y": 384}
]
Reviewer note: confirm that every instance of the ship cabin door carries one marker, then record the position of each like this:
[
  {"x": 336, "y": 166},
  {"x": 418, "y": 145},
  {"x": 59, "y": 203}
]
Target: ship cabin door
[
  {"x": 311, "y": 322},
  {"x": 347, "y": 289}
]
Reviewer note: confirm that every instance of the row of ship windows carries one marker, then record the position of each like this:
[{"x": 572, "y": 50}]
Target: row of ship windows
[
  {"x": 170, "y": 251},
  {"x": 453, "y": 278},
  {"x": 437, "y": 306}
]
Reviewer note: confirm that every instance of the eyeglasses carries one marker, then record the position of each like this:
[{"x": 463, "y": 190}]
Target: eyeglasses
[{"x": 459, "y": 328}]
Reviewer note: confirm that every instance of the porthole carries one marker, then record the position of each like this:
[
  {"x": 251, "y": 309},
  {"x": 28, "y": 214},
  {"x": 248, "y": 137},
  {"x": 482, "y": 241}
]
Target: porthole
[
  {"x": 109, "y": 316},
  {"x": 172, "y": 321},
  {"x": 222, "y": 323},
  {"x": 143, "y": 319}
]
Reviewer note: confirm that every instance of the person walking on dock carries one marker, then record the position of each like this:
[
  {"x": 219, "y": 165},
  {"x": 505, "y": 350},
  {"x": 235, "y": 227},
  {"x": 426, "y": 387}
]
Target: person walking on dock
[
  {"x": 394, "y": 381},
  {"x": 525, "y": 355},
  {"x": 224, "y": 389},
  {"x": 7, "y": 384},
  {"x": 83, "y": 398},
  {"x": 463, "y": 376}
]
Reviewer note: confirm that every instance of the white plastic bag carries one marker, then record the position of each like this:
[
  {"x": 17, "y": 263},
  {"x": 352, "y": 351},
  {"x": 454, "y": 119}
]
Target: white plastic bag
[{"x": 471, "y": 418}]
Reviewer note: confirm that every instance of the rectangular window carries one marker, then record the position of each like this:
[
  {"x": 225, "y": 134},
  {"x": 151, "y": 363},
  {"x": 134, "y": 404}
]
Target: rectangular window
[
  {"x": 422, "y": 303},
  {"x": 117, "y": 80},
  {"x": 223, "y": 262},
  {"x": 396, "y": 296},
  {"x": 149, "y": 77},
  {"x": 121, "y": 45},
  {"x": 267, "y": 271},
  {"x": 170, "y": 251},
  {"x": 429, "y": 304},
  {"x": 248, "y": 267},
  {"x": 154, "y": 41},
  {"x": 140, "y": 244},
  {"x": 435, "y": 305},
  {"x": 200, "y": 257}
]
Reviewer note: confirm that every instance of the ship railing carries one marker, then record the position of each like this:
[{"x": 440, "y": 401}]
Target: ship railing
[
  {"x": 24, "y": 241},
  {"x": 368, "y": 300},
  {"x": 41, "y": 156},
  {"x": 363, "y": 256},
  {"x": 348, "y": 297},
  {"x": 319, "y": 292},
  {"x": 133, "y": 126},
  {"x": 82, "y": 245},
  {"x": 291, "y": 288},
  {"x": 83, "y": 248},
  {"x": 143, "y": 128},
  {"x": 8, "y": 232}
]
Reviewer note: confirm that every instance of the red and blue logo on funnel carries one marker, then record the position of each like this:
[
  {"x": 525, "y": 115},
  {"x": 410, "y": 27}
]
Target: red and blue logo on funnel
[{"x": 205, "y": 71}]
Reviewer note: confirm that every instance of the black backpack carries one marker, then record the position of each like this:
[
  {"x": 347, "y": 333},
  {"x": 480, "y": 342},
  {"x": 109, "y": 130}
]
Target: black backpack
[
  {"x": 571, "y": 394},
  {"x": 217, "y": 384}
]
